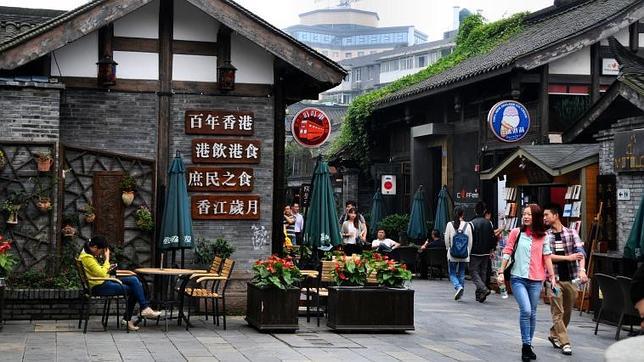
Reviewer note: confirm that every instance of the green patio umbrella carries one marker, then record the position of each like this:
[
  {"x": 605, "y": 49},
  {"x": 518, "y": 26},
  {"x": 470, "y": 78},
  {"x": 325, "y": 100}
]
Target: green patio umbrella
[
  {"x": 417, "y": 228},
  {"x": 443, "y": 208},
  {"x": 176, "y": 225},
  {"x": 376, "y": 213},
  {"x": 634, "y": 248},
  {"x": 321, "y": 228}
]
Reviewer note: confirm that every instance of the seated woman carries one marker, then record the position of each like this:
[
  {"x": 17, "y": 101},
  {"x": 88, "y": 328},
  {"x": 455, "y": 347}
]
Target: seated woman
[{"x": 96, "y": 247}]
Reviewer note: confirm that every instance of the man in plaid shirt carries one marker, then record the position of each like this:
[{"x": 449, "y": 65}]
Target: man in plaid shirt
[{"x": 568, "y": 257}]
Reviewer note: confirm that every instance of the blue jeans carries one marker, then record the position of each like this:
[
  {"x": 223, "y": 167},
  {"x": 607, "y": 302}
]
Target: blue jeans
[
  {"x": 457, "y": 273},
  {"x": 133, "y": 288},
  {"x": 526, "y": 292}
]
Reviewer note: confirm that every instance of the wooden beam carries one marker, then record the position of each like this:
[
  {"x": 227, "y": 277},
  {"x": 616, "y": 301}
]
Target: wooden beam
[
  {"x": 152, "y": 46},
  {"x": 270, "y": 39},
  {"x": 595, "y": 71},
  {"x": 223, "y": 42},
  {"x": 209, "y": 88},
  {"x": 544, "y": 105},
  {"x": 166, "y": 10},
  {"x": 279, "y": 156},
  {"x": 634, "y": 37},
  {"x": 122, "y": 85},
  {"x": 106, "y": 41},
  {"x": 66, "y": 32}
]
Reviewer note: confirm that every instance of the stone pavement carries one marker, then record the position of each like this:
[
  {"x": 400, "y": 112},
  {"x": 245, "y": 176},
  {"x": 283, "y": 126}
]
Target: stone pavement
[{"x": 445, "y": 331}]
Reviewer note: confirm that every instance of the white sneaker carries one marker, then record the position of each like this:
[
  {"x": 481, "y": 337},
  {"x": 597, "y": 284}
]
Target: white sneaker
[
  {"x": 459, "y": 293},
  {"x": 148, "y": 313}
]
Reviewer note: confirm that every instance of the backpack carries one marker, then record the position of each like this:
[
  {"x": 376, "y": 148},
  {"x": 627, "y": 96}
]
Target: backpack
[{"x": 460, "y": 242}]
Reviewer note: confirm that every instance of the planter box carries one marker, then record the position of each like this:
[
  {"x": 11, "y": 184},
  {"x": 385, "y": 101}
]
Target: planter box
[
  {"x": 271, "y": 308},
  {"x": 370, "y": 308}
]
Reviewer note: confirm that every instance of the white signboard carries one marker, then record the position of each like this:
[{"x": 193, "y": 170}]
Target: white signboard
[
  {"x": 623, "y": 194},
  {"x": 610, "y": 66},
  {"x": 388, "y": 184}
]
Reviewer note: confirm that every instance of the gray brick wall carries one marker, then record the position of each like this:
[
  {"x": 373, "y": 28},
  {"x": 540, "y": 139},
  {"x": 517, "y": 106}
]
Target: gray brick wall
[
  {"x": 237, "y": 232},
  {"x": 111, "y": 121},
  {"x": 29, "y": 111},
  {"x": 633, "y": 181}
]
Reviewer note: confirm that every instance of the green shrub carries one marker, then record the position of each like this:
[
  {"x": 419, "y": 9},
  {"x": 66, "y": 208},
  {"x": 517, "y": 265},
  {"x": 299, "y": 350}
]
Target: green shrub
[
  {"x": 206, "y": 250},
  {"x": 394, "y": 224}
]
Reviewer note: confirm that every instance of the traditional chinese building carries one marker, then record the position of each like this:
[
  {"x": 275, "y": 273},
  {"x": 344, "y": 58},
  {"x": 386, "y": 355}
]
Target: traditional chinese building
[
  {"x": 115, "y": 88},
  {"x": 437, "y": 132}
]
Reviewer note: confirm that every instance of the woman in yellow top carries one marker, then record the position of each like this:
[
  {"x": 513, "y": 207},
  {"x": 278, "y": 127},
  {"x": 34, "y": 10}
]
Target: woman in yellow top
[{"x": 96, "y": 247}]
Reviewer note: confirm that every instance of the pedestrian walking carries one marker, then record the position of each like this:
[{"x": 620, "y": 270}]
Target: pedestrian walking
[
  {"x": 569, "y": 260},
  {"x": 528, "y": 248},
  {"x": 458, "y": 240},
  {"x": 483, "y": 246}
]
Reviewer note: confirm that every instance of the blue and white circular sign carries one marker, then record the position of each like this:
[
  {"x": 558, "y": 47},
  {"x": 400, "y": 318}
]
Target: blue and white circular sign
[{"x": 509, "y": 121}]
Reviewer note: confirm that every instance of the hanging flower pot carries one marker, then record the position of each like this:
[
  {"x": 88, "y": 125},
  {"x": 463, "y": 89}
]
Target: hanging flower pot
[
  {"x": 44, "y": 204},
  {"x": 44, "y": 161},
  {"x": 69, "y": 230},
  {"x": 89, "y": 218},
  {"x": 13, "y": 217},
  {"x": 11, "y": 211},
  {"x": 88, "y": 213},
  {"x": 127, "y": 197},
  {"x": 3, "y": 160}
]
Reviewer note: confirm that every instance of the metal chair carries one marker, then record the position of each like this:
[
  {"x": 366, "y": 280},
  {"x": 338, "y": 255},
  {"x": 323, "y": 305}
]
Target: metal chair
[
  {"x": 87, "y": 297},
  {"x": 216, "y": 291},
  {"x": 406, "y": 255},
  {"x": 437, "y": 260},
  {"x": 613, "y": 299},
  {"x": 629, "y": 309}
]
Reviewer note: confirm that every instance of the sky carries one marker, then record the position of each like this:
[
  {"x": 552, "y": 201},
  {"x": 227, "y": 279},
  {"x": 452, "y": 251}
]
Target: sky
[{"x": 432, "y": 17}]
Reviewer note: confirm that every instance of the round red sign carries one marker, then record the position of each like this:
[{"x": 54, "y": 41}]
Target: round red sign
[
  {"x": 388, "y": 185},
  {"x": 311, "y": 127}
]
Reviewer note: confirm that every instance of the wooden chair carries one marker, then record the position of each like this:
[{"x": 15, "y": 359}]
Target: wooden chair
[
  {"x": 325, "y": 278},
  {"x": 186, "y": 281},
  {"x": 211, "y": 287},
  {"x": 87, "y": 297},
  {"x": 308, "y": 288}
]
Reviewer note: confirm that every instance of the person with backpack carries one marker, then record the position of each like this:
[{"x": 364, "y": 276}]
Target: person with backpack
[
  {"x": 483, "y": 247},
  {"x": 458, "y": 240},
  {"x": 526, "y": 255}
]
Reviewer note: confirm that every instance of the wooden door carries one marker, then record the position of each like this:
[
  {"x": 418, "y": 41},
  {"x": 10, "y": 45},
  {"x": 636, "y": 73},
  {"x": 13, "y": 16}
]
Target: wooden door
[{"x": 108, "y": 206}]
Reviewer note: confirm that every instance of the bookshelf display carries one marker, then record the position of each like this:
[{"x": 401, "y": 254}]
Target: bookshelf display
[{"x": 572, "y": 211}]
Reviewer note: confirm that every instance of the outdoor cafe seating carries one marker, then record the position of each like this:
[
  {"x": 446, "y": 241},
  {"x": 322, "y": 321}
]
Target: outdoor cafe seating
[
  {"x": 616, "y": 293},
  {"x": 210, "y": 287}
]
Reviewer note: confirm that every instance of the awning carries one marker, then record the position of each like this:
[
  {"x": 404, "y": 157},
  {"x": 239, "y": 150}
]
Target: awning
[{"x": 554, "y": 159}]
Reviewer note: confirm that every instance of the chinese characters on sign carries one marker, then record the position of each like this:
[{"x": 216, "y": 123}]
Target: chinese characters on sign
[
  {"x": 204, "y": 179},
  {"x": 225, "y": 207},
  {"x": 214, "y": 150},
  {"x": 219, "y": 122}
]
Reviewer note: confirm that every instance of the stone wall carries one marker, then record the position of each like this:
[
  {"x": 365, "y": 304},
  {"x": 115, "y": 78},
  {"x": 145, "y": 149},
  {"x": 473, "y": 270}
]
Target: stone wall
[
  {"x": 29, "y": 111},
  {"x": 633, "y": 181}
]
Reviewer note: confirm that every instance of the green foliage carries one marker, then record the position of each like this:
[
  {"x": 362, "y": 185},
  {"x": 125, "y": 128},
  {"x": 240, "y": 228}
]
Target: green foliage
[
  {"x": 276, "y": 272},
  {"x": 7, "y": 260},
  {"x": 394, "y": 224},
  {"x": 143, "y": 218},
  {"x": 350, "y": 270},
  {"x": 65, "y": 277},
  {"x": 128, "y": 183},
  {"x": 474, "y": 38},
  {"x": 389, "y": 272},
  {"x": 206, "y": 250},
  {"x": 329, "y": 255}
]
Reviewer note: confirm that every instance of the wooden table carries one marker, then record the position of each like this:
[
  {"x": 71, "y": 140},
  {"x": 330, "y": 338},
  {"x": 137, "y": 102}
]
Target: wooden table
[
  {"x": 309, "y": 275},
  {"x": 163, "y": 291}
]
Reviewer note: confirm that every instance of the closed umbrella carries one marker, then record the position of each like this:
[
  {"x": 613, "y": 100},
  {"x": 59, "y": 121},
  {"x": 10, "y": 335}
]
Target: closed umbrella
[
  {"x": 417, "y": 228},
  {"x": 176, "y": 225},
  {"x": 376, "y": 212},
  {"x": 635, "y": 243},
  {"x": 442, "y": 210},
  {"x": 321, "y": 225}
]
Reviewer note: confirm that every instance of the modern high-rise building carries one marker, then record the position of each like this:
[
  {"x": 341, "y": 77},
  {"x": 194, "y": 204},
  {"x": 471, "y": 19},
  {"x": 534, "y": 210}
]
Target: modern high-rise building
[{"x": 343, "y": 32}]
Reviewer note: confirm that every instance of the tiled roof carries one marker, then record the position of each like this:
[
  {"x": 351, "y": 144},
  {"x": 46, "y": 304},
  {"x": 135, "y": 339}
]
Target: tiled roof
[
  {"x": 401, "y": 51},
  {"x": 14, "y": 21},
  {"x": 543, "y": 29},
  {"x": 557, "y": 156}
]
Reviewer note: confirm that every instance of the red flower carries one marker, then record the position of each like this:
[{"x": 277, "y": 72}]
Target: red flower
[
  {"x": 5, "y": 246},
  {"x": 404, "y": 266},
  {"x": 342, "y": 276}
]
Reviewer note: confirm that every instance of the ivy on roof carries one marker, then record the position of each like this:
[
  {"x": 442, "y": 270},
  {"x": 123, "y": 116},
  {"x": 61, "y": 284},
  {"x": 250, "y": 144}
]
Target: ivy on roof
[{"x": 474, "y": 37}]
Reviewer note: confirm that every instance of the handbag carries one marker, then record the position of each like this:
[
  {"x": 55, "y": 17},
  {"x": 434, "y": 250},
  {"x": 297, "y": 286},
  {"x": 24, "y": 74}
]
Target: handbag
[{"x": 508, "y": 267}]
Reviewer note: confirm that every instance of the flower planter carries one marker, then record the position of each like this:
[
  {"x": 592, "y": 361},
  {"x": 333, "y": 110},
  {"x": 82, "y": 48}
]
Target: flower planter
[
  {"x": 12, "y": 218},
  {"x": 69, "y": 230},
  {"x": 44, "y": 205},
  {"x": 44, "y": 165},
  {"x": 272, "y": 308},
  {"x": 127, "y": 197},
  {"x": 89, "y": 218},
  {"x": 370, "y": 308}
]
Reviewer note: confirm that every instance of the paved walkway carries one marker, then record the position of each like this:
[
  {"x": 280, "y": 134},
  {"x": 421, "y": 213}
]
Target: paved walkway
[{"x": 445, "y": 331}]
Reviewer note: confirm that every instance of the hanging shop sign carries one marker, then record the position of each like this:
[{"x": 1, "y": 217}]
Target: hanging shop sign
[
  {"x": 509, "y": 121},
  {"x": 219, "y": 122},
  {"x": 214, "y": 150},
  {"x": 205, "y": 179},
  {"x": 629, "y": 151},
  {"x": 225, "y": 207},
  {"x": 311, "y": 127},
  {"x": 305, "y": 195}
]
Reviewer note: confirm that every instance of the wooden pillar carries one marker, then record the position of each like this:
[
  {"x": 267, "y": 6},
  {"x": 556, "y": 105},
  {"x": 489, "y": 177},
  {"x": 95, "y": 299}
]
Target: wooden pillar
[
  {"x": 544, "y": 105},
  {"x": 595, "y": 71},
  {"x": 634, "y": 37},
  {"x": 105, "y": 36},
  {"x": 223, "y": 44},
  {"x": 165, "y": 91},
  {"x": 279, "y": 154}
]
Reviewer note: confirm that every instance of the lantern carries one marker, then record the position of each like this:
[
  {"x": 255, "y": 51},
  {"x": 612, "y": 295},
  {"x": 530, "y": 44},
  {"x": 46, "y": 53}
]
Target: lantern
[
  {"x": 106, "y": 71},
  {"x": 226, "y": 76}
]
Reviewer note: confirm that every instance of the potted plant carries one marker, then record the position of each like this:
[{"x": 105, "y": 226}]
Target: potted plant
[
  {"x": 395, "y": 225},
  {"x": 3, "y": 160},
  {"x": 88, "y": 213},
  {"x": 7, "y": 259},
  {"x": 375, "y": 311},
  {"x": 44, "y": 204},
  {"x": 69, "y": 225},
  {"x": 143, "y": 218},
  {"x": 128, "y": 186},
  {"x": 272, "y": 298},
  {"x": 11, "y": 209},
  {"x": 206, "y": 250},
  {"x": 44, "y": 160}
]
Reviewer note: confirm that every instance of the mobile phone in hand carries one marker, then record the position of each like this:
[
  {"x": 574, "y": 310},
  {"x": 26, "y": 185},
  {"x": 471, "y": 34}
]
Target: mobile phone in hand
[{"x": 112, "y": 269}]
